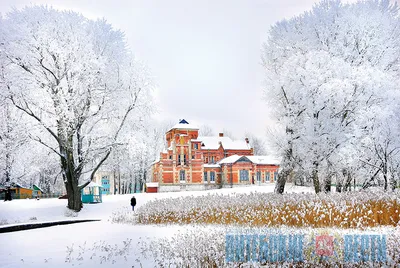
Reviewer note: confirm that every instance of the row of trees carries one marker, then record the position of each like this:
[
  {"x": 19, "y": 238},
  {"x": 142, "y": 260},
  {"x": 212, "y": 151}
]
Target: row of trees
[
  {"x": 71, "y": 85},
  {"x": 258, "y": 144},
  {"x": 333, "y": 86}
]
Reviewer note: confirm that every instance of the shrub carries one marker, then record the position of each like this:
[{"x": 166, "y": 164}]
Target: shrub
[{"x": 343, "y": 210}]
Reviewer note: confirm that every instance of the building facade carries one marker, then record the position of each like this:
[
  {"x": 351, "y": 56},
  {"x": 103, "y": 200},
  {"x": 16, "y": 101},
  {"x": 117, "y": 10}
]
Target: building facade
[{"x": 192, "y": 162}]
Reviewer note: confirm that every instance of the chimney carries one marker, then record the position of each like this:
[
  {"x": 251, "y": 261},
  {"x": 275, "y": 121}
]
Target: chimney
[
  {"x": 221, "y": 134},
  {"x": 247, "y": 140}
]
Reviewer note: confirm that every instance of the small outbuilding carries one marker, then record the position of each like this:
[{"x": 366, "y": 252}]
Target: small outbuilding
[
  {"x": 92, "y": 193},
  {"x": 37, "y": 191},
  {"x": 19, "y": 192},
  {"x": 151, "y": 187}
]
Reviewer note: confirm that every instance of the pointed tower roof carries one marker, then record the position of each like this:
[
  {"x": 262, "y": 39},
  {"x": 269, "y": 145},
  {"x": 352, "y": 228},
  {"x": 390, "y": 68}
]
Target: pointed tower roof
[{"x": 183, "y": 124}]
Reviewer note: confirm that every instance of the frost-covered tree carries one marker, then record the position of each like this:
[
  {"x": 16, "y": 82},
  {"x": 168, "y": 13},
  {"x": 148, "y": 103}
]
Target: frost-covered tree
[
  {"x": 206, "y": 130},
  {"x": 257, "y": 143},
  {"x": 22, "y": 159},
  {"x": 228, "y": 133},
  {"x": 328, "y": 74},
  {"x": 135, "y": 158},
  {"x": 381, "y": 148},
  {"x": 75, "y": 79},
  {"x": 6, "y": 143}
]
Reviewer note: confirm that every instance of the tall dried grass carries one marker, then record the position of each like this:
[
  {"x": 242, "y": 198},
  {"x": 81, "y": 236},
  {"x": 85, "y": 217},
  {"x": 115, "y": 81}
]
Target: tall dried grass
[{"x": 346, "y": 210}]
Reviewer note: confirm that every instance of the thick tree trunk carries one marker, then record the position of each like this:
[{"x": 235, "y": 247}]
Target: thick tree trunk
[
  {"x": 327, "y": 185},
  {"x": 74, "y": 198},
  {"x": 280, "y": 183},
  {"x": 315, "y": 178},
  {"x": 287, "y": 168},
  {"x": 70, "y": 177},
  {"x": 347, "y": 183},
  {"x": 74, "y": 194}
]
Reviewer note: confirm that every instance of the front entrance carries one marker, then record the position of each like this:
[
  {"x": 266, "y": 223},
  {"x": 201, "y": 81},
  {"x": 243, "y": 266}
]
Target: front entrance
[{"x": 244, "y": 175}]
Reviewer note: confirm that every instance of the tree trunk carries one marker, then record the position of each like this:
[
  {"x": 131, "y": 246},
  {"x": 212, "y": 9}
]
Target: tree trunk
[
  {"x": 115, "y": 185},
  {"x": 347, "y": 185},
  {"x": 315, "y": 178},
  {"x": 327, "y": 184},
  {"x": 71, "y": 180},
  {"x": 8, "y": 166},
  {"x": 385, "y": 177},
  {"x": 328, "y": 180},
  {"x": 339, "y": 186},
  {"x": 119, "y": 182},
  {"x": 280, "y": 183},
  {"x": 392, "y": 182},
  {"x": 7, "y": 143},
  {"x": 287, "y": 168}
]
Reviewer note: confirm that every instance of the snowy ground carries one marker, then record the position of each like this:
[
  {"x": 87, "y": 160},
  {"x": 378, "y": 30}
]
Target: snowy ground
[{"x": 86, "y": 244}]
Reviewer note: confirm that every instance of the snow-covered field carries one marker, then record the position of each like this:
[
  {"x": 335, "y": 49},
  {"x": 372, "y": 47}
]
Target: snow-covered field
[
  {"x": 86, "y": 244},
  {"x": 107, "y": 244}
]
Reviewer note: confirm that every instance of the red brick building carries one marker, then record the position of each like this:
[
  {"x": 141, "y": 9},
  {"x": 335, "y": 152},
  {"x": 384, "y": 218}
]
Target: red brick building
[{"x": 200, "y": 163}]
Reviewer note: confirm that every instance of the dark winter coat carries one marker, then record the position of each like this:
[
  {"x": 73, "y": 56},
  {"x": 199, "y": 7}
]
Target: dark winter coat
[
  {"x": 133, "y": 201},
  {"x": 8, "y": 196}
]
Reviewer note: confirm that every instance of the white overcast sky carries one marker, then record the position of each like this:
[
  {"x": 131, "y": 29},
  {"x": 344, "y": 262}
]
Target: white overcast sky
[{"x": 204, "y": 55}]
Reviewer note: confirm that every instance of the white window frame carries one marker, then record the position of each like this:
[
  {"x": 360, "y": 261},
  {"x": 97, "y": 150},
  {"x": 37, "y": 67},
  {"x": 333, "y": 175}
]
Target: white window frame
[
  {"x": 212, "y": 178},
  {"x": 244, "y": 171},
  {"x": 267, "y": 175},
  {"x": 182, "y": 171}
]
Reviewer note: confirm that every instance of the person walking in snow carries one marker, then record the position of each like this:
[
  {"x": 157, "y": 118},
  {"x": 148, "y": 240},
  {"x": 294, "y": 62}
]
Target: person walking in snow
[
  {"x": 7, "y": 195},
  {"x": 133, "y": 203}
]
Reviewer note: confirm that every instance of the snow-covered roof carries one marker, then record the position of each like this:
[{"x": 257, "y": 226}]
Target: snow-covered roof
[
  {"x": 212, "y": 143},
  {"x": 230, "y": 159},
  {"x": 211, "y": 165},
  {"x": 154, "y": 162},
  {"x": 263, "y": 160},
  {"x": 151, "y": 184},
  {"x": 93, "y": 184},
  {"x": 40, "y": 189},
  {"x": 183, "y": 124},
  {"x": 256, "y": 159},
  {"x": 16, "y": 184}
]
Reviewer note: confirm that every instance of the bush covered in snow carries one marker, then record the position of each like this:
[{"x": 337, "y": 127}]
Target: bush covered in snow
[
  {"x": 343, "y": 210},
  {"x": 70, "y": 213},
  {"x": 99, "y": 252},
  {"x": 196, "y": 247},
  {"x": 205, "y": 247}
]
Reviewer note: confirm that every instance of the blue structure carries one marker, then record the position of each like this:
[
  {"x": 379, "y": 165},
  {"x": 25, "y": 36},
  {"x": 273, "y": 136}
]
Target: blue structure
[
  {"x": 92, "y": 193},
  {"x": 105, "y": 184}
]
